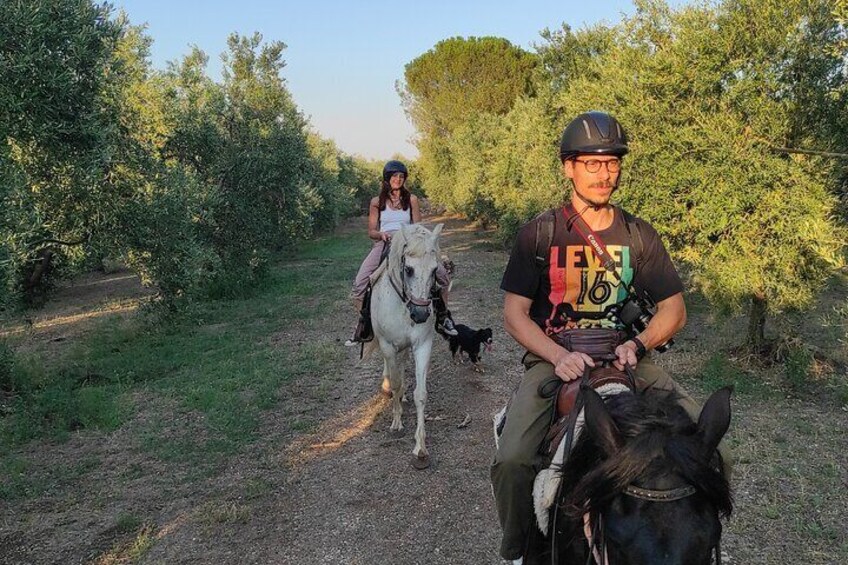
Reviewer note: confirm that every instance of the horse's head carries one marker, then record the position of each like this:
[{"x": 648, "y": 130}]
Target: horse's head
[
  {"x": 651, "y": 479},
  {"x": 413, "y": 260}
]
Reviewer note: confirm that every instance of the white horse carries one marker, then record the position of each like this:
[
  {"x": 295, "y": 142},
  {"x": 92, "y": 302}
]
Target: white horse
[{"x": 400, "y": 310}]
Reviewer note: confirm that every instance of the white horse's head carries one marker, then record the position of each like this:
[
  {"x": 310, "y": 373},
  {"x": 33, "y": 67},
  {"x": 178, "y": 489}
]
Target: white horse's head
[{"x": 413, "y": 260}]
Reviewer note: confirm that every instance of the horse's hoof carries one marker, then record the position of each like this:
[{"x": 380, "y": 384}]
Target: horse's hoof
[
  {"x": 386, "y": 393},
  {"x": 396, "y": 432},
  {"x": 421, "y": 462}
]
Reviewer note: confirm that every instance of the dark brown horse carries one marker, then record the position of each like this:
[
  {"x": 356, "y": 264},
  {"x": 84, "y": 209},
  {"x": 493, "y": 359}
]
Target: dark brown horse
[{"x": 643, "y": 484}]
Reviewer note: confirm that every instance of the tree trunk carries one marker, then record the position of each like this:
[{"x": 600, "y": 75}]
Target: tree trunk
[
  {"x": 41, "y": 268},
  {"x": 757, "y": 323}
]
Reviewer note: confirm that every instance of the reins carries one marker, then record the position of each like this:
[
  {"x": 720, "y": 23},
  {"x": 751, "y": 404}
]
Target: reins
[{"x": 593, "y": 530}]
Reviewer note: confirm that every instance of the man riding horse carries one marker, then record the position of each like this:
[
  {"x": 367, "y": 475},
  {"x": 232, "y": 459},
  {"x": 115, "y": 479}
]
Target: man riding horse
[{"x": 575, "y": 276}]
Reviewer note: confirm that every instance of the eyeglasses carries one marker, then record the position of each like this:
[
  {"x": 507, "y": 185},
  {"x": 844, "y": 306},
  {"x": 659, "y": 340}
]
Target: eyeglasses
[{"x": 594, "y": 165}]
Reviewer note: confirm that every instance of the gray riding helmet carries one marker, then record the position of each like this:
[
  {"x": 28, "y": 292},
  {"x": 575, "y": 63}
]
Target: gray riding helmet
[
  {"x": 393, "y": 167},
  {"x": 595, "y": 133}
]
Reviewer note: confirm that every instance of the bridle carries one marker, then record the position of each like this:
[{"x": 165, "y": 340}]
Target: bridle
[
  {"x": 409, "y": 301},
  {"x": 594, "y": 532}
]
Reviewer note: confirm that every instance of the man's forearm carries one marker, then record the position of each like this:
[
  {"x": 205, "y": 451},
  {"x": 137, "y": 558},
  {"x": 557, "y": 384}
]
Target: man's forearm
[{"x": 669, "y": 319}]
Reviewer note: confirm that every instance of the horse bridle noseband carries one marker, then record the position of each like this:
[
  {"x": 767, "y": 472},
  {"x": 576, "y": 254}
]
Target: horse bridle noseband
[
  {"x": 401, "y": 292},
  {"x": 669, "y": 495}
]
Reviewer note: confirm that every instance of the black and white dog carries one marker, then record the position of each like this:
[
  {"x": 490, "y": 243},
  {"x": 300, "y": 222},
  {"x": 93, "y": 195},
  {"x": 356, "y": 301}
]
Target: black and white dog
[{"x": 470, "y": 341}]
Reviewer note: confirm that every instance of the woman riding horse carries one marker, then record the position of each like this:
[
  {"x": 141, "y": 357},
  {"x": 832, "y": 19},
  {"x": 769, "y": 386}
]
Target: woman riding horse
[{"x": 393, "y": 208}]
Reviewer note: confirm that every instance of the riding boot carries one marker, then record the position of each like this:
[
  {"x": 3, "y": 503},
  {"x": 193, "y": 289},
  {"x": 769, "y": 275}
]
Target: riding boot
[
  {"x": 444, "y": 321},
  {"x": 364, "y": 332}
]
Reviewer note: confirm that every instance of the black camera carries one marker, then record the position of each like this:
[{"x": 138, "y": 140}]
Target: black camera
[{"x": 636, "y": 313}]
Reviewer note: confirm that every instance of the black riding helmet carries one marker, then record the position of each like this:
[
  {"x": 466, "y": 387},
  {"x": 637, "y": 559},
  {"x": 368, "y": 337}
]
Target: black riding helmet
[
  {"x": 595, "y": 133},
  {"x": 393, "y": 167}
]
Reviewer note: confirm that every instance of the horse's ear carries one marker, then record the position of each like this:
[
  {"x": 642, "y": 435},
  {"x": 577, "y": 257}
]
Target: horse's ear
[
  {"x": 600, "y": 423},
  {"x": 715, "y": 418},
  {"x": 438, "y": 230}
]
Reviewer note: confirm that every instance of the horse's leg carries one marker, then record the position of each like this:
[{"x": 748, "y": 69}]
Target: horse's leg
[
  {"x": 402, "y": 358},
  {"x": 386, "y": 387},
  {"x": 422, "y": 367},
  {"x": 396, "y": 384}
]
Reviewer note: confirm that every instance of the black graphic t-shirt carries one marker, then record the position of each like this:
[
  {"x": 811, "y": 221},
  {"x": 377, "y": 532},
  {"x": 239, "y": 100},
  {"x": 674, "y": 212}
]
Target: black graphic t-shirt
[{"x": 574, "y": 290}]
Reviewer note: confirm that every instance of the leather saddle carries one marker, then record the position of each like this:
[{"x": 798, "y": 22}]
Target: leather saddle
[{"x": 599, "y": 344}]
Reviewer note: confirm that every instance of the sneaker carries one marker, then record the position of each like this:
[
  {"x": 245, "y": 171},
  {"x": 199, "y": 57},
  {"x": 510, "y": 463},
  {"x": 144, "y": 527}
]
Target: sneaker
[
  {"x": 448, "y": 327},
  {"x": 351, "y": 342}
]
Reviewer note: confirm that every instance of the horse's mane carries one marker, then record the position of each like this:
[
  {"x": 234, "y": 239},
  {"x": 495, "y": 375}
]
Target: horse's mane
[
  {"x": 414, "y": 240},
  {"x": 660, "y": 437}
]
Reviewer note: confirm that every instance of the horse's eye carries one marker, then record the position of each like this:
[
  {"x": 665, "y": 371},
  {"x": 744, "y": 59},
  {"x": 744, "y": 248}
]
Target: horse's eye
[{"x": 409, "y": 272}]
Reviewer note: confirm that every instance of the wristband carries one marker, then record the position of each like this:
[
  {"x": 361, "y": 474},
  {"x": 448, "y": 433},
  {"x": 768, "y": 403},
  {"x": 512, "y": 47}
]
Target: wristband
[{"x": 640, "y": 347}]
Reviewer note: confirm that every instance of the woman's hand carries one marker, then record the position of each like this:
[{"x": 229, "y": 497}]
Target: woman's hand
[{"x": 384, "y": 236}]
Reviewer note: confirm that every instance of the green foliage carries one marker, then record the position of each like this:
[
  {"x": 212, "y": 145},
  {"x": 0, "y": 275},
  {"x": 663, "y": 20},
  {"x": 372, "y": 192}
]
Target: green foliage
[
  {"x": 455, "y": 94},
  {"x": 524, "y": 178},
  {"x": 797, "y": 367},
  {"x": 7, "y": 369},
  {"x": 461, "y": 76},
  {"x": 54, "y": 132},
  {"x": 53, "y": 55},
  {"x": 708, "y": 93},
  {"x": 705, "y": 96},
  {"x": 190, "y": 182},
  {"x": 566, "y": 55}
]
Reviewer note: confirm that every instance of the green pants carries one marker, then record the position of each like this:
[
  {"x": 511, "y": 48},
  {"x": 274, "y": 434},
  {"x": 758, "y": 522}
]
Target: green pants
[{"x": 517, "y": 460}]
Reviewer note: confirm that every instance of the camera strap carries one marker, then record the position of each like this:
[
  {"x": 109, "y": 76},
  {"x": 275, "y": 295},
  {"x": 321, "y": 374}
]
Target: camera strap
[{"x": 575, "y": 220}]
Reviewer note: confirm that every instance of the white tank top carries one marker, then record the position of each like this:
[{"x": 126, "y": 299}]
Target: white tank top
[{"x": 392, "y": 220}]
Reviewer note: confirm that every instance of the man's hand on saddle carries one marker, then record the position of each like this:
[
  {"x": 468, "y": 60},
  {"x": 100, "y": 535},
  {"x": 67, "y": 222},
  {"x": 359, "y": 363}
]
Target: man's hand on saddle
[
  {"x": 385, "y": 236},
  {"x": 571, "y": 364},
  {"x": 626, "y": 355}
]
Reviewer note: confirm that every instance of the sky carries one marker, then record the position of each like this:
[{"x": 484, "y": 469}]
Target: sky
[{"x": 343, "y": 58}]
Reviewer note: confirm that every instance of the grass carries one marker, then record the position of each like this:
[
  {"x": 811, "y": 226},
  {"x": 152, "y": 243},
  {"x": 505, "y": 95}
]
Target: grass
[
  {"x": 215, "y": 370},
  {"x": 141, "y": 539},
  {"x": 718, "y": 371},
  {"x": 21, "y": 478},
  {"x": 215, "y": 513}
]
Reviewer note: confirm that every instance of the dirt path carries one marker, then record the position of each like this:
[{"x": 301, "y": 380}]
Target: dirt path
[
  {"x": 360, "y": 501},
  {"x": 327, "y": 483},
  {"x": 347, "y": 493}
]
